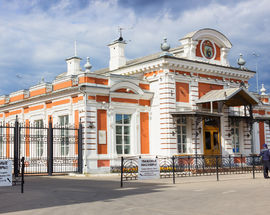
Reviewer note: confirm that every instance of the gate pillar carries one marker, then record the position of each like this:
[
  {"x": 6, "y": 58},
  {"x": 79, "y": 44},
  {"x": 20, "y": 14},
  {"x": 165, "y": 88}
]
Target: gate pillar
[
  {"x": 50, "y": 149},
  {"x": 16, "y": 148},
  {"x": 80, "y": 162}
]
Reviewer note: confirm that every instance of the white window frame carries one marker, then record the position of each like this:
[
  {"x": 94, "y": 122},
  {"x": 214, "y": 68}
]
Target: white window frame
[
  {"x": 123, "y": 135},
  {"x": 39, "y": 134},
  {"x": 234, "y": 128},
  {"x": 181, "y": 125},
  {"x": 64, "y": 144}
]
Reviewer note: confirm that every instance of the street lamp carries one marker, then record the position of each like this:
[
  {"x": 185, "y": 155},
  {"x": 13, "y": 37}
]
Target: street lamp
[{"x": 256, "y": 69}]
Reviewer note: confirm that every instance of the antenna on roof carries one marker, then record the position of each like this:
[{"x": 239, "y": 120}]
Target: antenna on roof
[
  {"x": 75, "y": 48},
  {"x": 120, "y": 33}
]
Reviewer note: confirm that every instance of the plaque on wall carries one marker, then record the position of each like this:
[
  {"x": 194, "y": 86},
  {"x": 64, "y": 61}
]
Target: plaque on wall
[{"x": 101, "y": 137}]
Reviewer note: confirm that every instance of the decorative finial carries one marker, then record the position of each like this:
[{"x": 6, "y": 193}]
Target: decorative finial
[
  {"x": 165, "y": 47},
  {"x": 263, "y": 90},
  {"x": 241, "y": 62},
  {"x": 87, "y": 66},
  {"x": 42, "y": 80},
  {"x": 75, "y": 48}
]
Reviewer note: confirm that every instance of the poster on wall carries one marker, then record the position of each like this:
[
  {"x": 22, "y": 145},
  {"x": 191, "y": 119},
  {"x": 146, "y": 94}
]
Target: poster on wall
[
  {"x": 148, "y": 168},
  {"x": 5, "y": 173}
]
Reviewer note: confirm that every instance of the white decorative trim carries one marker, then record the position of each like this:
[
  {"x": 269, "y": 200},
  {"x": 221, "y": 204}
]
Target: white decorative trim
[{"x": 129, "y": 85}]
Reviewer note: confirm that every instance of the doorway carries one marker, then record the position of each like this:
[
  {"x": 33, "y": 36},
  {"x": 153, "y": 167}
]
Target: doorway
[{"x": 211, "y": 137}]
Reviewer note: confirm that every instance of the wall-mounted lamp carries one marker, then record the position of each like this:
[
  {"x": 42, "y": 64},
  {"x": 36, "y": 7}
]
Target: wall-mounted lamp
[
  {"x": 199, "y": 130},
  {"x": 91, "y": 125},
  {"x": 173, "y": 133},
  {"x": 231, "y": 132}
]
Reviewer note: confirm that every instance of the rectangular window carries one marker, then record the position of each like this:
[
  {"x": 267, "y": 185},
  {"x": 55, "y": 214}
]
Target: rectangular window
[
  {"x": 235, "y": 136},
  {"x": 39, "y": 134},
  {"x": 122, "y": 133},
  {"x": 64, "y": 135},
  {"x": 181, "y": 125}
]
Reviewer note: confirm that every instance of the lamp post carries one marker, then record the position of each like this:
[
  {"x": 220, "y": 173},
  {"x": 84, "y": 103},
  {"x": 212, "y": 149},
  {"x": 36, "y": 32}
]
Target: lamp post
[{"x": 256, "y": 69}]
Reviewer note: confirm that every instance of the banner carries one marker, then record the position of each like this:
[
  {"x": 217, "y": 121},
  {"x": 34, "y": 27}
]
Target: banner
[
  {"x": 148, "y": 168},
  {"x": 5, "y": 173}
]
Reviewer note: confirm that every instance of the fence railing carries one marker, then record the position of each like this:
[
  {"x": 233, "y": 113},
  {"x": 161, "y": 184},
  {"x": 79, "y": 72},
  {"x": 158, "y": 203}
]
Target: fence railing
[
  {"x": 46, "y": 149},
  {"x": 185, "y": 166}
]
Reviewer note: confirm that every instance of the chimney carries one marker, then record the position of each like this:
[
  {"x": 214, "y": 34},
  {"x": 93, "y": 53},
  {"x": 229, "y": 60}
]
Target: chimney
[
  {"x": 117, "y": 53},
  {"x": 73, "y": 65}
]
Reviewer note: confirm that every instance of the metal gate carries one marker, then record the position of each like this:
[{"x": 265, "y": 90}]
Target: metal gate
[{"x": 47, "y": 150}]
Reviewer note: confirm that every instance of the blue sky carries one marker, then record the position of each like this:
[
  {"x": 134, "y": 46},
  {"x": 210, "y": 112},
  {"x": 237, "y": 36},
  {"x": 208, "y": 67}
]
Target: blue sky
[{"x": 36, "y": 36}]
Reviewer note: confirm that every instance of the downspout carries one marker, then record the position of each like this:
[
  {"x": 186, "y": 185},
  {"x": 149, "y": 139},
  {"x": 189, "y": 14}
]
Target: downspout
[{"x": 84, "y": 145}]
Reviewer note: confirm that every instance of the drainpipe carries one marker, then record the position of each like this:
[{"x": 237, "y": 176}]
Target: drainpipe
[{"x": 85, "y": 145}]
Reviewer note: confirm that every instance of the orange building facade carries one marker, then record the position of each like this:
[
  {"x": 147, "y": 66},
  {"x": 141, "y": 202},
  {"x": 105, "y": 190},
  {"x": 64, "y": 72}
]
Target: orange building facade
[{"x": 181, "y": 101}]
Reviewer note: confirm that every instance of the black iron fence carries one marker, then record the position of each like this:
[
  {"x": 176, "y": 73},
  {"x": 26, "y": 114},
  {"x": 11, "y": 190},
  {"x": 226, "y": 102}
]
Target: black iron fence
[
  {"x": 183, "y": 166},
  {"x": 47, "y": 150}
]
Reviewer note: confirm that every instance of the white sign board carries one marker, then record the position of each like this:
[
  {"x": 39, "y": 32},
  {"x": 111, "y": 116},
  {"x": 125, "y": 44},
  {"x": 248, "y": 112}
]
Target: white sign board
[
  {"x": 102, "y": 137},
  {"x": 148, "y": 168},
  {"x": 5, "y": 173}
]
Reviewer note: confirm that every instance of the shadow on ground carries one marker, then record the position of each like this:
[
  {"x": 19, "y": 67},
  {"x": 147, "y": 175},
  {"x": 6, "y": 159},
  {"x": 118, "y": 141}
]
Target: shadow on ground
[{"x": 43, "y": 192}]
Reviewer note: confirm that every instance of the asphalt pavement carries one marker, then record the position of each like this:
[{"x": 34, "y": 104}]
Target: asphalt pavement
[{"x": 98, "y": 195}]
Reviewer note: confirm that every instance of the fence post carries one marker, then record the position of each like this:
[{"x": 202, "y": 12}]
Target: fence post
[
  {"x": 50, "y": 149},
  {"x": 16, "y": 148},
  {"x": 80, "y": 160},
  {"x": 22, "y": 181},
  {"x": 188, "y": 165},
  {"x": 253, "y": 166},
  {"x": 230, "y": 164},
  {"x": 173, "y": 158},
  {"x": 217, "y": 167},
  {"x": 203, "y": 160},
  {"x": 242, "y": 163},
  {"x": 122, "y": 167}
]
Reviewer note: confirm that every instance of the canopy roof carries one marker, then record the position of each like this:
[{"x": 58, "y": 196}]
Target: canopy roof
[
  {"x": 231, "y": 97},
  {"x": 195, "y": 113}
]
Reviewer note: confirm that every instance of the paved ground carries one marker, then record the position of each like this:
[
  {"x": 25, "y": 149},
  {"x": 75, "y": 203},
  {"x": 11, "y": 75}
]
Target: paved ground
[{"x": 233, "y": 194}]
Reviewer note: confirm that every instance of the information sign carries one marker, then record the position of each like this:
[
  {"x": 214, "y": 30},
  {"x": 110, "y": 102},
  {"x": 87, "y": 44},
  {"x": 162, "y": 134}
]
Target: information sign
[
  {"x": 148, "y": 168},
  {"x": 5, "y": 173}
]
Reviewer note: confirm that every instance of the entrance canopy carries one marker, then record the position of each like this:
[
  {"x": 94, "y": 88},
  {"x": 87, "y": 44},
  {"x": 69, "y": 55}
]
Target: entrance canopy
[
  {"x": 202, "y": 114},
  {"x": 231, "y": 97}
]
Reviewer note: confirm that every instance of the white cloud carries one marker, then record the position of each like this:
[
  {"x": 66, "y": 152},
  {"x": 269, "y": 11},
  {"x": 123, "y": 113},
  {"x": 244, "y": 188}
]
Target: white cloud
[{"x": 39, "y": 40}]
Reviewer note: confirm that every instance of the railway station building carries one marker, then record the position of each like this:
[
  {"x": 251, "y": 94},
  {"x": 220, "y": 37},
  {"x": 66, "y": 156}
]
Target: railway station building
[{"x": 185, "y": 100}]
